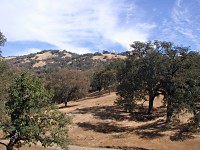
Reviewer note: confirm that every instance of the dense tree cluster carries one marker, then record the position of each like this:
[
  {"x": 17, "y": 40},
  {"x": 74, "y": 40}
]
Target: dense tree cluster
[
  {"x": 103, "y": 79},
  {"x": 68, "y": 85},
  {"x": 59, "y": 61},
  {"x": 155, "y": 68}
]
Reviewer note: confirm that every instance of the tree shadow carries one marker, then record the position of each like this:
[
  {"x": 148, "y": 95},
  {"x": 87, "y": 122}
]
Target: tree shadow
[
  {"x": 68, "y": 106},
  {"x": 96, "y": 94},
  {"x": 102, "y": 127},
  {"x": 158, "y": 128},
  {"x": 153, "y": 126},
  {"x": 141, "y": 114},
  {"x": 181, "y": 136},
  {"x": 113, "y": 128},
  {"x": 151, "y": 130},
  {"x": 118, "y": 114},
  {"x": 105, "y": 112},
  {"x": 125, "y": 148},
  {"x": 183, "y": 133},
  {"x": 149, "y": 134}
]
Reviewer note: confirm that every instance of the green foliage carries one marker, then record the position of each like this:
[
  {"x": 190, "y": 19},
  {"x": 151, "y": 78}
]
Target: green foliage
[
  {"x": 156, "y": 67},
  {"x": 128, "y": 86},
  {"x": 59, "y": 61},
  {"x": 105, "y": 52},
  {"x": 139, "y": 77},
  {"x": 106, "y": 77},
  {"x": 6, "y": 78},
  {"x": 31, "y": 117},
  {"x": 103, "y": 79},
  {"x": 2, "y": 40},
  {"x": 68, "y": 85},
  {"x": 4, "y": 82}
]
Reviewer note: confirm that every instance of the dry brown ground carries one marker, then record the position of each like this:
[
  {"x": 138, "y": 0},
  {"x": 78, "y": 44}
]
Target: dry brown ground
[{"x": 99, "y": 123}]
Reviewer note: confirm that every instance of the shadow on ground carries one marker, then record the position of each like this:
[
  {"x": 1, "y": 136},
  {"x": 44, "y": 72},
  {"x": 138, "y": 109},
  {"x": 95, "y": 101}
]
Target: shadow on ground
[
  {"x": 125, "y": 148},
  {"x": 102, "y": 127},
  {"x": 153, "y": 127},
  {"x": 117, "y": 113},
  {"x": 105, "y": 112},
  {"x": 63, "y": 107},
  {"x": 96, "y": 94}
]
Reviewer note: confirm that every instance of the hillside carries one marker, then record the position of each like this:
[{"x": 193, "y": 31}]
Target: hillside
[
  {"x": 52, "y": 60},
  {"x": 98, "y": 122}
]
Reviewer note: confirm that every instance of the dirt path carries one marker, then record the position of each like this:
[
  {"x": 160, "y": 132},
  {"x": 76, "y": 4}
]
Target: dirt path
[{"x": 99, "y": 123}]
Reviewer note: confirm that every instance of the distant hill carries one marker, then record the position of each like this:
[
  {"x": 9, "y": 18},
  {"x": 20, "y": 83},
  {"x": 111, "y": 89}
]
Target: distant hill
[{"x": 52, "y": 60}]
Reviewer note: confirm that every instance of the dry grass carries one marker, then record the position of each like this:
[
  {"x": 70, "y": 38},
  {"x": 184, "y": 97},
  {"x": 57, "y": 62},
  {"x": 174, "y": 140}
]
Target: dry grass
[
  {"x": 99, "y": 123},
  {"x": 103, "y": 57},
  {"x": 39, "y": 64}
]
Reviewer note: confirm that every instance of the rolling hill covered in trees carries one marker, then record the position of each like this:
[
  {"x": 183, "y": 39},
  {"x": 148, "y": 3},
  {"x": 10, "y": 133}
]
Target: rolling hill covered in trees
[{"x": 52, "y": 60}]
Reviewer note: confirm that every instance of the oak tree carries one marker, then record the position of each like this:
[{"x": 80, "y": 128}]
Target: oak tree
[
  {"x": 68, "y": 85},
  {"x": 31, "y": 117}
]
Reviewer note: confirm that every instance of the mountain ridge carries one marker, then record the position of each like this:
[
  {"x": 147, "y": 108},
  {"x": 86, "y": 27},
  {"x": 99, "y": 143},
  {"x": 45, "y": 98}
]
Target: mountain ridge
[{"x": 52, "y": 60}]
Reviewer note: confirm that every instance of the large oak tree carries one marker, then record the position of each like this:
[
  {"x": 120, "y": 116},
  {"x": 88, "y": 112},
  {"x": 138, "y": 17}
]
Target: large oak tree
[
  {"x": 30, "y": 116},
  {"x": 158, "y": 67}
]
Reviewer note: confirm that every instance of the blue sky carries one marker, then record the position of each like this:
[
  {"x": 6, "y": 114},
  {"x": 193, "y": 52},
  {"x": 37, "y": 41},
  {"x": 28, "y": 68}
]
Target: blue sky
[{"x": 84, "y": 26}]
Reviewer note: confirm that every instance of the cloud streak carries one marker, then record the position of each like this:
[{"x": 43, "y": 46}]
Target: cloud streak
[
  {"x": 71, "y": 24},
  {"x": 185, "y": 16}
]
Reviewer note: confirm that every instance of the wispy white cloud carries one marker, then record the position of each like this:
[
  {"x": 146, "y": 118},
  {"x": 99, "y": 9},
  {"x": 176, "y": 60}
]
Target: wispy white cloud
[
  {"x": 185, "y": 17},
  {"x": 181, "y": 14},
  {"x": 182, "y": 25},
  {"x": 68, "y": 24}
]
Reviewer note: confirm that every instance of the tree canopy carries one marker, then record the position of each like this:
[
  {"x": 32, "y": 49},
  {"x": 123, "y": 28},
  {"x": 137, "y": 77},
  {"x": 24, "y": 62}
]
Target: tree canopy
[
  {"x": 68, "y": 85},
  {"x": 159, "y": 67},
  {"x": 30, "y": 116},
  {"x": 2, "y": 40}
]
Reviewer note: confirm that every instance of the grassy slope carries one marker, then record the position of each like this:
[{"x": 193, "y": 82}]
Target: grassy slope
[{"x": 99, "y": 123}]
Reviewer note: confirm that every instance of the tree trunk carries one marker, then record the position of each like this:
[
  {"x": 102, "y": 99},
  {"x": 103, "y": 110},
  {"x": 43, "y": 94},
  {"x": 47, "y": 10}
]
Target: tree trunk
[
  {"x": 13, "y": 141},
  {"x": 194, "y": 112},
  {"x": 99, "y": 89},
  {"x": 168, "y": 118},
  {"x": 109, "y": 89},
  {"x": 169, "y": 111},
  {"x": 9, "y": 147},
  {"x": 151, "y": 100},
  {"x": 65, "y": 103}
]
